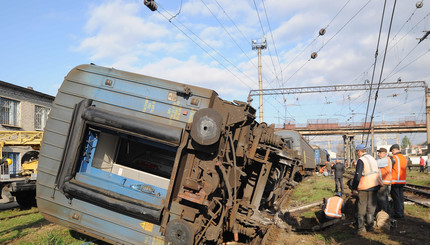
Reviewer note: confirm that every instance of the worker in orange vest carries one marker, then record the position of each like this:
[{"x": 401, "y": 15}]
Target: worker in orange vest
[
  {"x": 398, "y": 181},
  {"x": 334, "y": 206},
  {"x": 385, "y": 167},
  {"x": 365, "y": 185}
]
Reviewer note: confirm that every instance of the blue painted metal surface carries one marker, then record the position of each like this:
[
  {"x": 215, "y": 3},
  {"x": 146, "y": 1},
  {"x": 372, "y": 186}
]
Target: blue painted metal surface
[{"x": 131, "y": 94}]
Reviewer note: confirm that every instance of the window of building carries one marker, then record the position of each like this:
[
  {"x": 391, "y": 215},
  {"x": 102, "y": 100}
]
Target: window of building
[
  {"x": 40, "y": 117},
  {"x": 9, "y": 112}
]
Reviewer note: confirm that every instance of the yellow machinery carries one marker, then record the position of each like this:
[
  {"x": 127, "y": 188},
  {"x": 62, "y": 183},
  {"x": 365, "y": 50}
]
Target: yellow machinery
[{"x": 23, "y": 184}]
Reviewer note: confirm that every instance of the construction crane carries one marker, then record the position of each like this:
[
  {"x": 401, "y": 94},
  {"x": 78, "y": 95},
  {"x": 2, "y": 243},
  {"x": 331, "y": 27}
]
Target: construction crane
[{"x": 22, "y": 185}]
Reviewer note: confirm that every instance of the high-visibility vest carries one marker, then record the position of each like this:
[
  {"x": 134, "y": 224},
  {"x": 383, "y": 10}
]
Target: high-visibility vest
[
  {"x": 333, "y": 207},
  {"x": 386, "y": 172},
  {"x": 370, "y": 176},
  {"x": 399, "y": 169}
]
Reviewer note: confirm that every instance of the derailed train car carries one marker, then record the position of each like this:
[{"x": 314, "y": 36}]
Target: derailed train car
[
  {"x": 132, "y": 159},
  {"x": 295, "y": 141},
  {"x": 321, "y": 155}
]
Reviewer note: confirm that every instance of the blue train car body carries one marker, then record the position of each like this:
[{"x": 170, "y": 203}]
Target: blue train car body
[{"x": 132, "y": 159}]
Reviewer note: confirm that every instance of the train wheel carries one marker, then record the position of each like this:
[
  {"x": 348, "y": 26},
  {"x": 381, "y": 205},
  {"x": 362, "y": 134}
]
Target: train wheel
[{"x": 179, "y": 232}]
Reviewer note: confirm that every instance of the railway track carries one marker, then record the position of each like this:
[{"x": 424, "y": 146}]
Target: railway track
[{"x": 417, "y": 194}]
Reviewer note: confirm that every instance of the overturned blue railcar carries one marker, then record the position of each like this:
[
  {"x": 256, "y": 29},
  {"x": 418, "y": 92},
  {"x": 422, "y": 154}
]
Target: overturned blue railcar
[{"x": 133, "y": 159}]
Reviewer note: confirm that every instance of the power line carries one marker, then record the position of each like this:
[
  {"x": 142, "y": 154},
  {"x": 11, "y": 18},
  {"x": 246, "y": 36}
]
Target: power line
[
  {"x": 382, "y": 70},
  {"x": 344, "y": 25},
  {"x": 228, "y": 33},
  {"x": 274, "y": 45},
  {"x": 301, "y": 52},
  {"x": 374, "y": 63},
  {"x": 213, "y": 57},
  {"x": 331, "y": 38}
]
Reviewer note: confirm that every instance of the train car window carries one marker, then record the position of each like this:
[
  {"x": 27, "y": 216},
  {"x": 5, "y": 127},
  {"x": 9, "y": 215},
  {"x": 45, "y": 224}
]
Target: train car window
[
  {"x": 125, "y": 160},
  {"x": 145, "y": 157},
  {"x": 119, "y": 162}
]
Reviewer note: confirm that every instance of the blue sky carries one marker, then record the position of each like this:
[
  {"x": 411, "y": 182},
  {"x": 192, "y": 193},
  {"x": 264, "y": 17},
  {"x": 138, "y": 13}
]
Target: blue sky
[{"x": 208, "y": 44}]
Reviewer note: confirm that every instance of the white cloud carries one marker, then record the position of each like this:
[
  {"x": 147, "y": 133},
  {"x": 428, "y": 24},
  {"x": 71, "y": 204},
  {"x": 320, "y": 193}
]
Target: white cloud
[{"x": 128, "y": 36}]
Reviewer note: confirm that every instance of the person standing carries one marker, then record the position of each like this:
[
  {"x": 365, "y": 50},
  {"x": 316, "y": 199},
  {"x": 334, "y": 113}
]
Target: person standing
[
  {"x": 385, "y": 167},
  {"x": 399, "y": 180},
  {"x": 365, "y": 185},
  {"x": 339, "y": 170},
  {"x": 422, "y": 165},
  {"x": 408, "y": 159}
]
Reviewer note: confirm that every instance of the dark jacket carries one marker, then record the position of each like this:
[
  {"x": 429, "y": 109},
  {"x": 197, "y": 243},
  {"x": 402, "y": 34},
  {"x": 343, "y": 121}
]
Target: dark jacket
[{"x": 339, "y": 170}]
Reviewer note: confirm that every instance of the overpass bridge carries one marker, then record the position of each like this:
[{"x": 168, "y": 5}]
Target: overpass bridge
[
  {"x": 349, "y": 130},
  {"x": 327, "y": 127}
]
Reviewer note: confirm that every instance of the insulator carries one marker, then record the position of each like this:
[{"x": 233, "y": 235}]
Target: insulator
[
  {"x": 322, "y": 31},
  {"x": 314, "y": 55},
  {"x": 150, "y": 4},
  {"x": 419, "y": 4}
]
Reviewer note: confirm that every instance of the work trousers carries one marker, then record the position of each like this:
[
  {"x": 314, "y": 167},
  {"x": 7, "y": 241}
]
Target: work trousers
[
  {"x": 382, "y": 197},
  {"x": 397, "y": 195},
  {"x": 366, "y": 206},
  {"x": 339, "y": 181}
]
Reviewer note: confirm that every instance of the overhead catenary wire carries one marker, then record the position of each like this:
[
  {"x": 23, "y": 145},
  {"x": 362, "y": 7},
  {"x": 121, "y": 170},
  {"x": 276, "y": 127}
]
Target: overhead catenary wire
[
  {"x": 310, "y": 43},
  {"x": 382, "y": 69},
  {"x": 273, "y": 41},
  {"x": 207, "y": 52},
  {"x": 374, "y": 64},
  {"x": 213, "y": 57},
  {"x": 331, "y": 38},
  {"x": 264, "y": 34},
  {"x": 228, "y": 33}
]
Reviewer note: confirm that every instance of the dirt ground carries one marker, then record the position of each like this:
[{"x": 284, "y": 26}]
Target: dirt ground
[{"x": 413, "y": 229}]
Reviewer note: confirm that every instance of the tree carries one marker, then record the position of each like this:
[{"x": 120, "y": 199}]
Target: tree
[{"x": 406, "y": 142}]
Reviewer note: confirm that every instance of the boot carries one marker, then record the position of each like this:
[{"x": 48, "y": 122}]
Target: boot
[
  {"x": 360, "y": 224},
  {"x": 370, "y": 221}
]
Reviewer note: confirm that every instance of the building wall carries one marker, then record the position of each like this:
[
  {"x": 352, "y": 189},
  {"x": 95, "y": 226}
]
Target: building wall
[{"x": 28, "y": 100}]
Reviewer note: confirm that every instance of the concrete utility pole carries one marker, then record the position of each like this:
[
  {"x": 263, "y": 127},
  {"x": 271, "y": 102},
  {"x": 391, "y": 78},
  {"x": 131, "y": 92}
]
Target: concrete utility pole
[{"x": 259, "y": 46}]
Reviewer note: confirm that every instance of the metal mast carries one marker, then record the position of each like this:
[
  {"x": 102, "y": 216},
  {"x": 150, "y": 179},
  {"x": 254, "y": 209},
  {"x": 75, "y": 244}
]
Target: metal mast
[{"x": 260, "y": 45}]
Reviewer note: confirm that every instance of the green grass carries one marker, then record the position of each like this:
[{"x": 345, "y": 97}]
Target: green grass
[
  {"x": 417, "y": 178},
  {"x": 19, "y": 226},
  {"x": 313, "y": 189},
  {"x": 418, "y": 211},
  {"x": 34, "y": 229}
]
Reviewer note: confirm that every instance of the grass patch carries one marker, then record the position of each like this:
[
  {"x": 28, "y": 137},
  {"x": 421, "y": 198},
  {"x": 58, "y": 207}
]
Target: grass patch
[
  {"x": 16, "y": 211},
  {"x": 417, "y": 178},
  {"x": 418, "y": 212},
  {"x": 19, "y": 226},
  {"x": 32, "y": 228},
  {"x": 312, "y": 189}
]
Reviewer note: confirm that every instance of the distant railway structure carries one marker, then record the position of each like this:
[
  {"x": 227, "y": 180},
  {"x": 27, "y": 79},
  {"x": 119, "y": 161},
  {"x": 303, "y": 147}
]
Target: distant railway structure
[{"x": 349, "y": 131}]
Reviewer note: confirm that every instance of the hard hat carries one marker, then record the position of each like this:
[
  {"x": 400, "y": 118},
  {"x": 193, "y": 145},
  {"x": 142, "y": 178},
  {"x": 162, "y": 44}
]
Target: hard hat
[
  {"x": 339, "y": 194},
  {"x": 9, "y": 161}
]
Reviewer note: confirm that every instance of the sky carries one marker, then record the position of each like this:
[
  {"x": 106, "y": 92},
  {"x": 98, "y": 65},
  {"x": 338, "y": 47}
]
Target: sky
[{"x": 208, "y": 43}]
